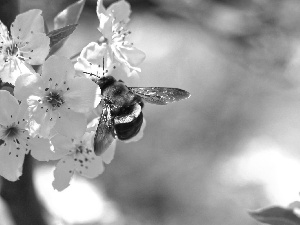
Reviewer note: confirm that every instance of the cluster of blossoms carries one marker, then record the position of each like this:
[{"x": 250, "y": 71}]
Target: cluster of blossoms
[{"x": 53, "y": 114}]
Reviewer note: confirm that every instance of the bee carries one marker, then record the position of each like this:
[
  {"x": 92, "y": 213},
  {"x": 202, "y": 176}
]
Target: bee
[{"x": 122, "y": 115}]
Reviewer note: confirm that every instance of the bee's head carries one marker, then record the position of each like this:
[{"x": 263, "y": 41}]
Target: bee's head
[{"x": 105, "y": 82}]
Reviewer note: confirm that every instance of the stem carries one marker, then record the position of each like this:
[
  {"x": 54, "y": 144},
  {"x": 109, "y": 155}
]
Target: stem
[
  {"x": 21, "y": 198},
  {"x": 74, "y": 56}
]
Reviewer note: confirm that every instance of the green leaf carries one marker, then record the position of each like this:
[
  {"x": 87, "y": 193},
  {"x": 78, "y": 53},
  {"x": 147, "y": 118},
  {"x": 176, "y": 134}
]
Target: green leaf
[
  {"x": 66, "y": 19},
  {"x": 276, "y": 215},
  {"x": 70, "y": 15},
  {"x": 56, "y": 36}
]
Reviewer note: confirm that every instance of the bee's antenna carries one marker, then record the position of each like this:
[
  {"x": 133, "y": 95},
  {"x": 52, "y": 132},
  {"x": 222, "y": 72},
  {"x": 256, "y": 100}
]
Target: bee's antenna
[
  {"x": 91, "y": 74},
  {"x": 103, "y": 66}
]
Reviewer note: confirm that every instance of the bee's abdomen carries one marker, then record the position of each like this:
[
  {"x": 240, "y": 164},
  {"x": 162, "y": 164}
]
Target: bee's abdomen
[
  {"x": 126, "y": 131},
  {"x": 129, "y": 125}
]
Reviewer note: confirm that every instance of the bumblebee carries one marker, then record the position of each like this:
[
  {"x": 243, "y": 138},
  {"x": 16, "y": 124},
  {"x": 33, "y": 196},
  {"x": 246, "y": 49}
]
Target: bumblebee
[{"x": 122, "y": 115}]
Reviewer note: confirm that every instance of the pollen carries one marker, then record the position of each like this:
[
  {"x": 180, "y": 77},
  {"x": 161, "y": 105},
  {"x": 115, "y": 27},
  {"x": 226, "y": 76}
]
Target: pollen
[
  {"x": 79, "y": 149},
  {"x": 11, "y": 50},
  {"x": 54, "y": 99}
]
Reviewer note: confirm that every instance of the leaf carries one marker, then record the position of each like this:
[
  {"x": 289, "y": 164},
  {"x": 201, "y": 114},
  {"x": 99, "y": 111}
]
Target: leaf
[
  {"x": 70, "y": 15},
  {"x": 276, "y": 215},
  {"x": 57, "y": 37}
]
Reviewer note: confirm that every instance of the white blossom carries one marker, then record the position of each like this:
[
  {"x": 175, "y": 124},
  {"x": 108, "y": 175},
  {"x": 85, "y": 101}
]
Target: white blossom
[
  {"x": 56, "y": 99},
  {"x": 25, "y": 45}
]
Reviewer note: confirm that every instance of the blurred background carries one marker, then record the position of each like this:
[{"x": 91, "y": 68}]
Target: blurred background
[{"x": 233, "y": 146}]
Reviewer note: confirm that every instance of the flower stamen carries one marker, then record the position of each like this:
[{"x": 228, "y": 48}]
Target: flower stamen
[
  {"x": 54, "y": 99},
  {"x": 10, "y": 132}
]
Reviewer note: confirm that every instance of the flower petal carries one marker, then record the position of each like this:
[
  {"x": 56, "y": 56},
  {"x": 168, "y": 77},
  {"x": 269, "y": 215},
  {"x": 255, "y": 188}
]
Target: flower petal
[
  {"x": 9, "y": 107},
  {"x": 62, "y": 145},
  {"x": 83, "y": 95},
  {"x": 36, "y": 49},
  {"x": 12, "y": 69},
  {"x": 63, "y": 173},
  {"x": 100, "y": 8},
  {"x": 26, "y": 85},
  {"x": 105, "y": 26},
  {"x": 96, "y": 60},
  {"x": 3, "y": 33},
  {"x": 40, "y": 121},
  {"x": 120, "y": 11},
  {"x": 130, "y": 55},
  {"x": 70, "y": 123},
  {"x": 84, "y": 69},
  {"x": 41, "y": 149},
  {"x": 90, "y": 168},
  {"x": 59, "y": 69},
  {"x": 27, "y": 24},
  {"x": 11, "y": 162},
  {"x": 94, "y": 53}
]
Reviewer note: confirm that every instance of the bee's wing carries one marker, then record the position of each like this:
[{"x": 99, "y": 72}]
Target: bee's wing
[
  {"x": 104, "y": 134},
  {"x": 160, "y": 95}
]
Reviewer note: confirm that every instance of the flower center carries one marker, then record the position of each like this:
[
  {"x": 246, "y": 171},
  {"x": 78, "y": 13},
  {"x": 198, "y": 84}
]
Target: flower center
[
  {"x": 120, "y": 33},
  {"x": 12, "y": 131},
  {"x": 11, "y": 50},
  {"x": 54, "y": 99},
  {"x": 83, "y": 157},
  {"x": 79, "y": 149}
]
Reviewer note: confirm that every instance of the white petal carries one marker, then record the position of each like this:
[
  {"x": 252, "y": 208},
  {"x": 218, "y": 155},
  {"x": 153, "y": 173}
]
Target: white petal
[
  {"x": 87, "y": 139},
  {"x": 109, "y": 154},
  {"x": 100, "y": 8},
  {"x": 41, "y": 122},
  {"x": 12, "y": 69},
  {"x": 9, "y": 107},
  {"x": 70, "y": 123},
  {"x": 26, "y": 85},
  {"x": 27, "y": 24},
  {"x": 11, "y": 162},
  {"x": 83, "y": 94},
  {"x": 59, "y": 69},
  {"x": 37, "y": 49},
  {"x": 41, "y": 149},
  {"x": 62, "y": 145},
  {"x": 94, "y": 53},
  {"x": 131, "y": 55},
  {"x": 105, "y": 26},
  {"x": 63, "y": 173},
  {"x": 23, "y": 142},
  {"x": 3, "y": 33},
  {"x": 120, "y": 11},
  {"x": 90, "y": 168},
  {"x": 22, "y": 114},
  {"x": 82, "y": 65}
]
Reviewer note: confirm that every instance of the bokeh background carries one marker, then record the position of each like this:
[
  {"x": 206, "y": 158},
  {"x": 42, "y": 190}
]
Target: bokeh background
[{"x": 233, "y": 146}]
